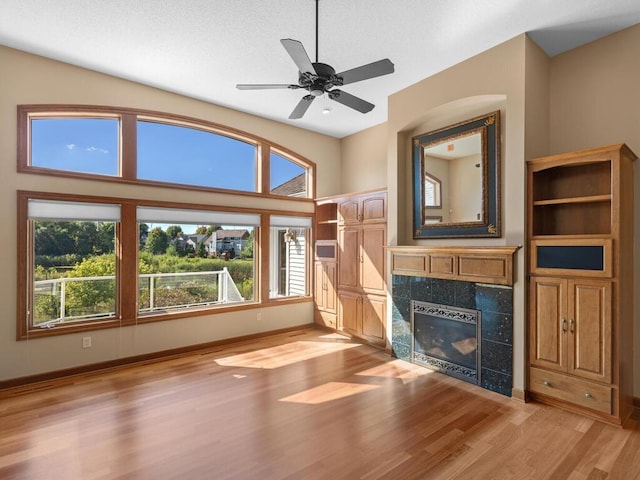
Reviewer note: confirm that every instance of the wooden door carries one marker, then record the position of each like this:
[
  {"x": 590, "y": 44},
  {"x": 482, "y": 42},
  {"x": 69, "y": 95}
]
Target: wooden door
[
  {"x": 330, "y": 286},
  {"x": 349, "y": 212},
  {"x": 373, "y": 209},
  {"x": 373, "y": 319},
  {"x": 372, "y": 259},
  {"x": 349, "y": 258},
  {"x": 548, "y": 325},
  {"x": 349, "y": 312},
  {"x": 319, "y": 294},
  {"x": 589, "y": 341}
]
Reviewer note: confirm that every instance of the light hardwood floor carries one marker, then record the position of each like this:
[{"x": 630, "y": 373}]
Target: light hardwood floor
[{"x": 301, "y": 405}]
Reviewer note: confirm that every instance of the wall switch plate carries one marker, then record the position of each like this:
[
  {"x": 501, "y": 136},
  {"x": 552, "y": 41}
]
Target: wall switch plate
[{"x": 86, "y": 342}]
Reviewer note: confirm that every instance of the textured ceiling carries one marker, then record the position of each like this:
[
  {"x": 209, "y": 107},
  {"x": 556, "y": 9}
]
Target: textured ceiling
[{"x": 202, "y": 49}]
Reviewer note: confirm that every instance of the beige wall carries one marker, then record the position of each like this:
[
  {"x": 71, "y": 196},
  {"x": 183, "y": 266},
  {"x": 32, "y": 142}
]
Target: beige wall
[
  {"x": 28, "y": 79},
  {"x": 493, "y": 80},
  {"x": 595, "y": 99},
  {"x": 364, "y": 160}
]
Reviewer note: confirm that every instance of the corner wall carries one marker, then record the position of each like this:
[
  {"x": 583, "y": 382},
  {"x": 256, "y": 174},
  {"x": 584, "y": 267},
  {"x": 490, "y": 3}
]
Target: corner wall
[{"x": 595, "y": 101}]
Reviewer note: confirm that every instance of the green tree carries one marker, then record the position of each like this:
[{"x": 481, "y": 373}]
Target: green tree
[
  {"x": 201, "y": 230},
  {"x": 173, "y": 231},
  {"x": 247, "y": 251},
  {"x": 201, "y": 250},
  {"x": 92, "y": 297},
  {"x": 157, "y": 241}
]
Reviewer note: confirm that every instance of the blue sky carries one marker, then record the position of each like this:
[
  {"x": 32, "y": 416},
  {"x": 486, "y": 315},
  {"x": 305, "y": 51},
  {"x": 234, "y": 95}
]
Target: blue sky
[{"x": 165, "y": 153}]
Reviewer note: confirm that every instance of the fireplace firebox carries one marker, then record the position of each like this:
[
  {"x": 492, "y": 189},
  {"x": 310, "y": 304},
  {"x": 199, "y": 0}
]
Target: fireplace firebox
[{"x": 446, "y": 339}]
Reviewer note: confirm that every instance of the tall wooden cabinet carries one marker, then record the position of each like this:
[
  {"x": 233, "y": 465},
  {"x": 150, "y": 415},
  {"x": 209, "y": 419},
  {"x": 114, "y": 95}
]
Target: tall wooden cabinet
[
  {"x": 361, "y": 235},
  {"x": 580, "y": 232}
]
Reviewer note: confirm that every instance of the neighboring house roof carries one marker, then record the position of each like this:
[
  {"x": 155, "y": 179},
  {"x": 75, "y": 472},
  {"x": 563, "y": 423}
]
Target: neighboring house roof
[
  {"x": 296, "y": 187},
  {"x": 229, "y": 234}
]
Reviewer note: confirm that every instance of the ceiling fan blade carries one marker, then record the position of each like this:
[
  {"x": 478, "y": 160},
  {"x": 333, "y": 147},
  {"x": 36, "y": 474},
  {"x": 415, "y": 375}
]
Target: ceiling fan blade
[
  {"x": 351, "y": 101},
  {"x": 302, "y": 107},
  {"x": 299, "y": 55},
  {"x": 364, "y": 72},
  {"x": 264, "y": 86}
]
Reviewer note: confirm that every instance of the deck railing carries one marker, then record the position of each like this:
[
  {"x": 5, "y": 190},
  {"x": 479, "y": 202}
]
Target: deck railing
[{"x": 70, "y": 299}]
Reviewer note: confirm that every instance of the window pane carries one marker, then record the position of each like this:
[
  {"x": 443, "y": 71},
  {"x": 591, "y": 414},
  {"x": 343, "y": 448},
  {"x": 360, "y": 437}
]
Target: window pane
[
  {"x": 84, "y": 145},
  {"x": 174, "y": 154},
  {"x": 189, "y": 266},
  {"x": 288, "y": 265},
  {"x": 287, "y": 177},
  {"x": 74, "y": 271}
]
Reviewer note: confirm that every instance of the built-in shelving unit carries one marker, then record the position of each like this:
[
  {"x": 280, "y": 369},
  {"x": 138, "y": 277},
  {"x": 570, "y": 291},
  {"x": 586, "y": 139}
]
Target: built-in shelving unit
[
  {"x": 327, "y": 221},
  {"x": 580, "y": 231}
]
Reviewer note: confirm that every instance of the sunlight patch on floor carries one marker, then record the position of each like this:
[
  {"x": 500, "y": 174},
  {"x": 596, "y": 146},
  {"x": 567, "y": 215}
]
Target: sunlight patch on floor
[
  {"x": 283, "y": 355},
  {"x": 407, "y": 372},
  {"x": 328, "y": 392}
]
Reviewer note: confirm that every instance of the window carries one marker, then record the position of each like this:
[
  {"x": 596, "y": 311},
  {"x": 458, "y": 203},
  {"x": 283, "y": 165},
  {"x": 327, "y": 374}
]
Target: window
[
  {"x": 191, "y": 259},
  {"x": 85, "y": 145},
  {"x": 288, "y": 256},
  {"x": 287, "y": 177},
  {"x": 432, "y": 192},
  {"x": 88, "y": 262},
  {"x": 72, "y": 262},
  {"x": 176, "y": 154},
  {"x": 143, "y": 147}
]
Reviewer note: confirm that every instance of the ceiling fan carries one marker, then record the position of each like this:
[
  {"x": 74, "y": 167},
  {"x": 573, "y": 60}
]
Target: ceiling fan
[{"x": 319, "y": 78}]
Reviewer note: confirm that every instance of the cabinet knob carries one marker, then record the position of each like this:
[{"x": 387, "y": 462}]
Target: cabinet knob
[
  {"x": 571, "y": 325},
  {"x": 587, "y": 395},
  {"x": 564, "y": 325},
  {"x": 546, "y": 383}
]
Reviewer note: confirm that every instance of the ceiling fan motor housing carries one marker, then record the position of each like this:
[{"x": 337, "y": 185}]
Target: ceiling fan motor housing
[{"x": 324, "y": 79}]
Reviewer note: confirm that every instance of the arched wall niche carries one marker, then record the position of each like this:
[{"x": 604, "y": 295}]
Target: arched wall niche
[{"x": 439, "y": 117}]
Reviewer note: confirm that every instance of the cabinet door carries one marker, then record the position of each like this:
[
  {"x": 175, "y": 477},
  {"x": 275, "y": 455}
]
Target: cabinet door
[
  {"x": 590, "y": 329},
  {"x": 373, "y": 240},
  {"x": 374, "y": 209},
  {"x": 548, "y": 323},
  {"x": 349, "y": 257},
  {"x": 319, "y": 286},
  {"x": 373, "y": 319},
  {"x": 330, "y": 286},
  {"x": 349, "y": 212},
  {"x": 349, "y": 312}
]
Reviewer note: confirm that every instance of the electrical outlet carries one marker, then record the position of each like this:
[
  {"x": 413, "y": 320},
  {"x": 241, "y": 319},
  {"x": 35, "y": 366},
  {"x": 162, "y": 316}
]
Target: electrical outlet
[
  {"x": 86, "y": 342},
  {"x": 259, "y": 316}
]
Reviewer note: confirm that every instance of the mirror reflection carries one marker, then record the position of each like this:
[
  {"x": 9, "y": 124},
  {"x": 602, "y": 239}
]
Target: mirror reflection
[{"x": 453, "y": 180}]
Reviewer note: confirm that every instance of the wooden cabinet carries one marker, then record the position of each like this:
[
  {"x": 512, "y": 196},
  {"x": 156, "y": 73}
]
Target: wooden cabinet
[
  {"x": 362, "y": 236},
  {"x": 325, "y": 294},
  {"x": 363, "y": 316},
  {"x": 361, "y": 251},
  {"x": 365, "y": 208},
  {"x": 570, "y": 328},
  {"x": 358, "y": 224},
  {"x": 580, "y": 319}
]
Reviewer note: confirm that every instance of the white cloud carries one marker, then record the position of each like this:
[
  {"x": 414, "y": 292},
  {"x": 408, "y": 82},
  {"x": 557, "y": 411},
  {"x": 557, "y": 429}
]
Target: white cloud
[
  {"x": 96, "y": 149},
  {"x": 71, "y": 146}
]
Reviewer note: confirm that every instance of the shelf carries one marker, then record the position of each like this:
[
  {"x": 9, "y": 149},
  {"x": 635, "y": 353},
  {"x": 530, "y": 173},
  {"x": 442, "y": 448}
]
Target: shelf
[
  {"x": 327, "y": 222},
  {"x": 554, "y": 237},
  {"x": 585, "y": 199}
]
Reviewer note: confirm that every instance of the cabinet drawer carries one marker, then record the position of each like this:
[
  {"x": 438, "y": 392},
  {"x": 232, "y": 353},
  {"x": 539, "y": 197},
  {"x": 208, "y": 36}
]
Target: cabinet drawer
[{"x": 574, "y": 390}]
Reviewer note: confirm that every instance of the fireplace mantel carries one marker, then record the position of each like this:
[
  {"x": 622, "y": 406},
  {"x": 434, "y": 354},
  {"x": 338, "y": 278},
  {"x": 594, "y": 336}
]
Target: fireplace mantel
[{"x": 471, "y": 264}]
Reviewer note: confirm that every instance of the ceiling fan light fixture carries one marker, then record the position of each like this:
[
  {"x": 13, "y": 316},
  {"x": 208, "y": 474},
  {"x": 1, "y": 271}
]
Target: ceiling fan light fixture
[{"x": 319, "y": 78}]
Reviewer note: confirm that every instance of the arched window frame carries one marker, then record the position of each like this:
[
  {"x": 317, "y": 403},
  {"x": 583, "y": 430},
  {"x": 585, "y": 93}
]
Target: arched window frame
[{"x": 127, "y": 155}]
